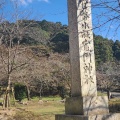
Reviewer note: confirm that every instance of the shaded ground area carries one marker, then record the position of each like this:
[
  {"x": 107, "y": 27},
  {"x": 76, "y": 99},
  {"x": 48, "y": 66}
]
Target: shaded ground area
[{"x": 114, "y": 105}]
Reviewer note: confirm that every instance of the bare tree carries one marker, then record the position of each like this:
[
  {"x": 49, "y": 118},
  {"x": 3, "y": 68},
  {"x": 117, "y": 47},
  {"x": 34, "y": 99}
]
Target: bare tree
[
  {"x": 13, "y": 55},
  {"x": 109, "y": 77},
  {"x": 106, "y": 17}
]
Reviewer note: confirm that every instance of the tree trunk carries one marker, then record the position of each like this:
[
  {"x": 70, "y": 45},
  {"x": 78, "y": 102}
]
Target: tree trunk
[
  {"x": 9, "y": 68},
  {"x": 40, "y": 91},
  {"x": 6, "y": 103},
  {"x": 28, "y": 93},
  {"x": 13, "y": 95},
  {"x": 40, "y": 94},
  {"x": 109, "y": 94}
]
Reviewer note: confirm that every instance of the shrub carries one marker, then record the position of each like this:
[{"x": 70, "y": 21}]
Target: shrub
[{"x": 20, "y": 91}]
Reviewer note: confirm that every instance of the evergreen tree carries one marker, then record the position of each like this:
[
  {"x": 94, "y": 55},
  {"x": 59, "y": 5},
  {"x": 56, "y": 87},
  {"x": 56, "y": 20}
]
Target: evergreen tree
[
  {"x": 103, "y": 50},
  {"x": 116, "y": 49}
]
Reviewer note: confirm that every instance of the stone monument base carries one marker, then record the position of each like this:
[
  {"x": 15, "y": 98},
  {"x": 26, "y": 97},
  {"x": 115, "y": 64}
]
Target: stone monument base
[
  {"x": 87, "y": 108},
  {"x": 112, "y": 116},
  {"x": 87, "y": 105}
]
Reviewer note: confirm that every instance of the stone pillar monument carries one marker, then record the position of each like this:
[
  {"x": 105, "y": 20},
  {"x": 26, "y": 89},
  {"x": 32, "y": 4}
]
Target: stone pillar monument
[{"x": 84, "y": 103}]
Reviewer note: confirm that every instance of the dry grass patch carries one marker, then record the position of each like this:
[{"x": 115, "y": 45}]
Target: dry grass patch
[
  {"x": 36, "y": 110},
  {"x": 45, "y": 110}
]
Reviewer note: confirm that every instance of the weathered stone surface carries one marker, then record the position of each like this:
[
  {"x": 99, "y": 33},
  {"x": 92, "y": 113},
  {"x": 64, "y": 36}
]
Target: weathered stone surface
[
  {"x": 84, "y": 104},
  {"x": 115, "y": 116},
  {"x": 81, "y": 49},
  {"x": 87, "y": 105},
  {"x": 71, "y": 117}
]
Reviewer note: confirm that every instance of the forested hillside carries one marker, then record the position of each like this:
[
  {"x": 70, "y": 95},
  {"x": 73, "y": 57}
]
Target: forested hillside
[
  {"x": 55, "y": 36},
  {"x": 39, "y": 58}
]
